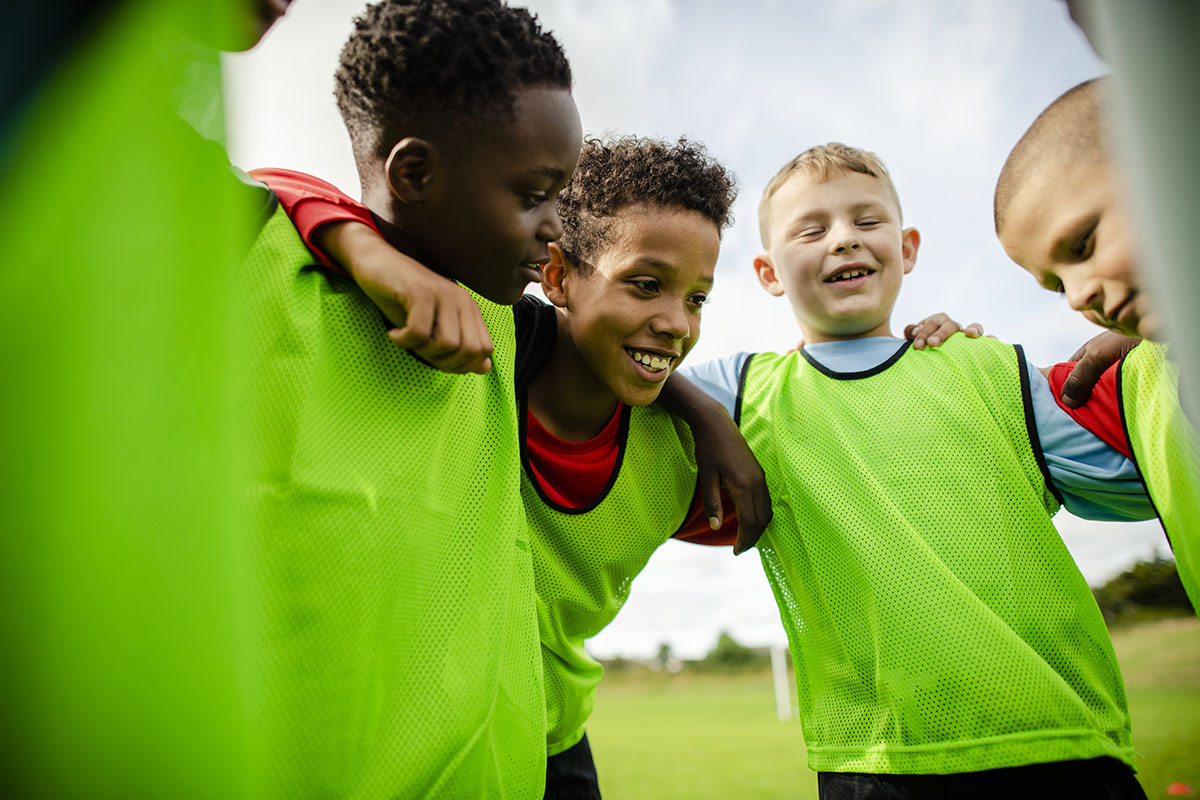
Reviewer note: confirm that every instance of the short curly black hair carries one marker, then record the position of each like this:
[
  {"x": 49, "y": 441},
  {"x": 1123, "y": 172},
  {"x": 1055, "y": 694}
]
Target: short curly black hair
[
  {"x": 616, "y": 173},
  {"x": 439, "y": 67}
]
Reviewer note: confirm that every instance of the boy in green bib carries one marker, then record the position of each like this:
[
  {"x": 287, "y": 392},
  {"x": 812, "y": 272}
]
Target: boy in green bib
[
  {"x": 1060, "y": 215},
  {"x": 945, "y": 643},
  {"x": 608, "y": 476},
  {"x": 395, "y": 618}
]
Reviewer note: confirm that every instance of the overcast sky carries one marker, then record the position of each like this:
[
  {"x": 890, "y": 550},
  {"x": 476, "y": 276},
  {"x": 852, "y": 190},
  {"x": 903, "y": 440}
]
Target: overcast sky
[{"x": 940, "y": 89}]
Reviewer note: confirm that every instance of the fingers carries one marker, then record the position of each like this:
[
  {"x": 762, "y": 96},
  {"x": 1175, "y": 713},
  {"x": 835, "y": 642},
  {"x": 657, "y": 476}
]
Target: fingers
[
  {"x": 753, "y": 506},
  {"x": 1095, "y": 357},
  {"x": 449, "y": 333},
  {"x": 710, "y": 489},
  {"x": 1078, "y": 386},
  {"x": 935, "y": 329},
  {"x": 932, "y": 331}
]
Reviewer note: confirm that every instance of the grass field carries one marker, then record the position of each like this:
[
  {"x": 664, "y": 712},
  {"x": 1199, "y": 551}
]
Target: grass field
[{"x": 698, "y": 736}]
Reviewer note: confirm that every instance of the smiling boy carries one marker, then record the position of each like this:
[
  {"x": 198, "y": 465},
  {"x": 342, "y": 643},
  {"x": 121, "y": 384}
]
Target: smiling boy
[
  {"x": 945, "y": 642},
  {"x": 1060, "y": 214},
  {"x": 394, "y": 584},
  {"x": 607, "y": 477}
]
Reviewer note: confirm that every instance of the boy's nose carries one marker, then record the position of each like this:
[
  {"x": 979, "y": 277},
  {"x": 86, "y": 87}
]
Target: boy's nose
[
  {"x": 673, "y": 321},
  {"x": 550, "y": 227},
  {"x": 1083, "y": 294},
  {"x": 847, "y": 246}
]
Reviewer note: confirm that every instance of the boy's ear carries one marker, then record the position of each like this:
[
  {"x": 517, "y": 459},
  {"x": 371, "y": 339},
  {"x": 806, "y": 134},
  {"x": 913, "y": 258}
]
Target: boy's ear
[
  {"x": 767, "y": 276},
  {"x": 910, "y": 242},
  {"x": 553, "y": 274},
  {"x": 411, "y": 167}
]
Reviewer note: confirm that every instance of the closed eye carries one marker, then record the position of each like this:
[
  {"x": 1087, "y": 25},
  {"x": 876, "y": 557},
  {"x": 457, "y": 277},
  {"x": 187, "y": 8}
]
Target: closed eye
[
  {"x": 1081, "y": 248},
  {"x": 1053, "y": 284},
  {"x": 534, "y": 199}
]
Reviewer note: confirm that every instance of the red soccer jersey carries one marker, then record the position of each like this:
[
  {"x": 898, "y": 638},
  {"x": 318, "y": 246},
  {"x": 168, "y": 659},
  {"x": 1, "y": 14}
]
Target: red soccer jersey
[{"x": 1101, "y": 414}]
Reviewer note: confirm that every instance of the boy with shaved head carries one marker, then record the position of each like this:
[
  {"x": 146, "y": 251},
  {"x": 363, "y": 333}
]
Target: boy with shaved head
[{"x": 1061, "y": 214}]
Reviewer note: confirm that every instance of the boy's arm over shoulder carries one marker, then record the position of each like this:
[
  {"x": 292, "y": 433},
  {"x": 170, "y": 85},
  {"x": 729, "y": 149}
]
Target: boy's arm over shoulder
[
  {"x": 311, "y": 203},
  {"x": 433, "y": 317},
  {"x": 723, "y": 461}
]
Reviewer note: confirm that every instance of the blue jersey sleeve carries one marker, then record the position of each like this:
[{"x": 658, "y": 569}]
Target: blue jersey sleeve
[
  {"x": 718, "y": 378},
  {"x": 1094, "y": 480}
]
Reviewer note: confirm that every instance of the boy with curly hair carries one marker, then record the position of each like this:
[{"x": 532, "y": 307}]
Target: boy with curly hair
[
  {"x": 395, "y": 622},
  {"x": 607, "y": 476},
  {"x": 1060, "y": 214}
]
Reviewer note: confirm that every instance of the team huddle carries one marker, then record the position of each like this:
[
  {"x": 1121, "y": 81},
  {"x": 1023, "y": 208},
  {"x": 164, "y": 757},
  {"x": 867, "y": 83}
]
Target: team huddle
[{"x": 453, "y": 484}]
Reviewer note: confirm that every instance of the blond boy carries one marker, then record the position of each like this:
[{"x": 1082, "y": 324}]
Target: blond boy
[{"x": 945, "y": 642}]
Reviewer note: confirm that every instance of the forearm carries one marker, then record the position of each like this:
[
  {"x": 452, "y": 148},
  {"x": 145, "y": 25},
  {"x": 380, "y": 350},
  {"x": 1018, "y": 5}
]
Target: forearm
[{"x": 690, "y": 403}]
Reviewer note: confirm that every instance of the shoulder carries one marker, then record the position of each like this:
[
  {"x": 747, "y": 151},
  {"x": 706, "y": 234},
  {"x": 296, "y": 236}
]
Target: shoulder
[{"x": 536, "y": 326}]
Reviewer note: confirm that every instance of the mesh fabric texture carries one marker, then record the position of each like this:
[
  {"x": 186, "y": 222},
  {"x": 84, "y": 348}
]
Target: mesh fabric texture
[
  {"x": 394, "y": 584},
  {"x": 584, "y": 562},
  {"x": 937, "y": 622},
  {"x": 1166, "y": 450}
]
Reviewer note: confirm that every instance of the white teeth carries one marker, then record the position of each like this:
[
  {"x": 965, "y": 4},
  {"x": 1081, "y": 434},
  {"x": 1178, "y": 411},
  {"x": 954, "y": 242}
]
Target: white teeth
[
  {"x": 650, "y": 361},
  {"x": 850, "y": 274}
]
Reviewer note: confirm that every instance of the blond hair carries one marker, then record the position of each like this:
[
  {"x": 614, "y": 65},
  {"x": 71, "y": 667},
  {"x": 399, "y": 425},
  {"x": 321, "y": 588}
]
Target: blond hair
[{"x": 821, "y": 163}]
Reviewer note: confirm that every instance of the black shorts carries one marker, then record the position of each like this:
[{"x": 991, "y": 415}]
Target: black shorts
[
  {"x": 1093, "y": 779},
  {"x": 571, "y": 775}
]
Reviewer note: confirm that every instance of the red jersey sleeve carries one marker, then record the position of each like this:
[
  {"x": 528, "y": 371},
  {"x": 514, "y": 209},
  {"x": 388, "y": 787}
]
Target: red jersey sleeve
[
  {"x": 1101, "y": 414},
  {"x": 695, "y": 527},
  {"x": 311, "y": 202}
]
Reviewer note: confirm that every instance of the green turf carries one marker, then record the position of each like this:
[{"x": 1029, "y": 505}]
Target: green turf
[{"x": 706, "y": 736}]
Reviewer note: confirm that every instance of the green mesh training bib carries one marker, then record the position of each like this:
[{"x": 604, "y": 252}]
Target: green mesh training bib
[
  {"x": 1166, "y": 451},
  {"x": 585, "y": 559},
  {"x": 396, "y": 620},
  {"x": 937, "y": 622}
]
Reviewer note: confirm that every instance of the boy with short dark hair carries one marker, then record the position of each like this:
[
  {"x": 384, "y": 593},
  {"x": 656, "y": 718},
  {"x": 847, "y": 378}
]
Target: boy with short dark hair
[
  {"x": 945, "y": 642},
  {"x": 1060, "y": 214},
  {"x": 396, "y": 624},
  {"x": 607, "y": 476}
]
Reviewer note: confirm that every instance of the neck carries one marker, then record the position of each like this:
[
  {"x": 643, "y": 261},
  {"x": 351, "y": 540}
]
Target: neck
[
  {"x": 565, "y": 396},
  {"x": 812, "y": 336},
  {"x": 384, "y": 207}
]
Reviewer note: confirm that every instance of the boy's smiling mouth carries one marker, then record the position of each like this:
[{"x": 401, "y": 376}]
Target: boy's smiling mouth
[
  {"x": 849, "y": 273},
  {"x": 651, "y": 362}
]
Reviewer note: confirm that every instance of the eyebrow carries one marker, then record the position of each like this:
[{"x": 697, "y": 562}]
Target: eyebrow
[
  {"x": 554, "y": 173},
  {"x": 654, "y": 263}
]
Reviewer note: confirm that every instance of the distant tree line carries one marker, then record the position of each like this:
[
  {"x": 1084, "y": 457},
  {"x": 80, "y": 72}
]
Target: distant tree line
[{"x": 1148, "y": 590}]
